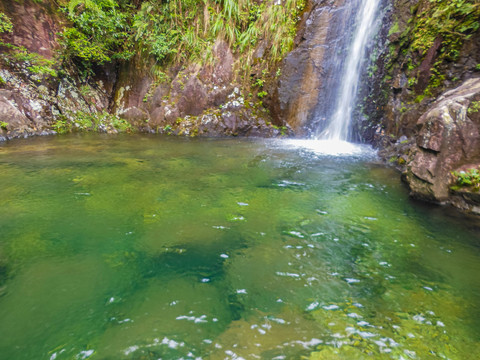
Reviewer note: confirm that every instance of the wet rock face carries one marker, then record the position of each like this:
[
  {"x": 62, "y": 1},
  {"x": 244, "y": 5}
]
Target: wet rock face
[
  {"x": 298, "y": 89},
  {"x": 31, "y": 102},
  {"x": 307, "y": 90},
  {"x": 36, "y": 25},
  {"x": 414, "y": 80},
  {"x": 22, "y": 116},
  {"x": 31, "y": 107},
  {"x": 234, "y": 118},
  {"x": 448, "y": 139},
  {"x": 194, "y": 101},
  {"x": 183, "y": 92},
  {"x": 9, "y": 114}
]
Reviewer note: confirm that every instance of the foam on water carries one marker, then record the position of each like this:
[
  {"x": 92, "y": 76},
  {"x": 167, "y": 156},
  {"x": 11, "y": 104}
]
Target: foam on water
[
  {"x": 328, "y": 251},
  {"x": 332, "y": 147}
]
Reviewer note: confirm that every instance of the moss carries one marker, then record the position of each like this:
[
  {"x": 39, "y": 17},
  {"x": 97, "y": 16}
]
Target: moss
[
  {"x": 5, "y": 24},
  {"x": 451, "y": 22},
  {"x": 411, "y": 82},
  {"x": 474, "y": 107},
  {"x": 395, "y": 28},
  {"x": 88, "y": 122},
  {"x": 469, "y": 179},
  {"x": 420, "y": 98},
  {"x": 33, "y": 63}
]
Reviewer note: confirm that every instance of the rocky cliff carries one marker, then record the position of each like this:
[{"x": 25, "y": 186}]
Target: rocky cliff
[
  {"x": 420, "y": 93},
  {"x": 42, "y": 93},
  {"x": 427, "y": 86},
  {"x": 36, "y": 91},
  {"x": 195, "y": 100},
  {"x": 307, "y": 89}
]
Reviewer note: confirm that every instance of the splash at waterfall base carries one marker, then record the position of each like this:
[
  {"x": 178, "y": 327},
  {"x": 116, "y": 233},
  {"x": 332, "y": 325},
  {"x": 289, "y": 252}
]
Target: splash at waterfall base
[
  {"x": 204, "y": 101},
  {"x": 427, "y": 141}
]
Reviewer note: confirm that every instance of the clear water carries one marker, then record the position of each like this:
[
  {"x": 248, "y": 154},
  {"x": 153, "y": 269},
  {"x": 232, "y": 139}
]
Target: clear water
[{"x": 137, "y": 247}]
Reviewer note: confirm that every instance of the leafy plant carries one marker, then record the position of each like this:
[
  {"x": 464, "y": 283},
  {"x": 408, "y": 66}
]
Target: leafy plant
[
  {"x": 35, "y": 63},
  {"x": 469, "y": 178},
  {"x": 178, "y": 31},
  {"x": 100, "y": 34},
  {"x": 77, "y": 45},
  {"x": 5, "y": 24},
  {"x": 283, "y": 129},
  {"x": 446, "y": 23},
  {"x": 62, "y": 126},
  {"x": 411, "y": 82},
  {"x": 3, "y": 125},
  {"x": 453, "y": 20},
  {"x": 259, "y": 82},
  {"x": 87, "y": 122},
  {"x": 262, "y": 94},
  {"x": 474, "y": 107}
]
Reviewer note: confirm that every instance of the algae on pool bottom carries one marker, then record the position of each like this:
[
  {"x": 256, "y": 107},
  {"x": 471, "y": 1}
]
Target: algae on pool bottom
[{"x": 139, "y": 247}]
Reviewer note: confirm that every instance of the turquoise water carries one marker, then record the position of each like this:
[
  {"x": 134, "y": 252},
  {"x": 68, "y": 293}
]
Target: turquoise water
[{"x": 138, "y": 247}]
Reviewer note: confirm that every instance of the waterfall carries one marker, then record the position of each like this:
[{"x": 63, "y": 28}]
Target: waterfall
[{"x": 339, "y": 127}]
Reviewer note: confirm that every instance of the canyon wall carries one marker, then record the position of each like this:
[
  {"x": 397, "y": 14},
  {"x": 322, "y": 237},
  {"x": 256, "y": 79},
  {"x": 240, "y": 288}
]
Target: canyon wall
[{"x": 418, "y": 104}]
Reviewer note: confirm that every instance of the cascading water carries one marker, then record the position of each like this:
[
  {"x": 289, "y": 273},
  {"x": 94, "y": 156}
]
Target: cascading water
[{"x": 339, "y": 127}]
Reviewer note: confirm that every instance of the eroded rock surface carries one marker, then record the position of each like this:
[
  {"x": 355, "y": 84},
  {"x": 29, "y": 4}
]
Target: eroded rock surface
[
  {"x": 448, "y": 140},
  {"x": 305, "y": 72},
  {"x": 192, "y": 101}
]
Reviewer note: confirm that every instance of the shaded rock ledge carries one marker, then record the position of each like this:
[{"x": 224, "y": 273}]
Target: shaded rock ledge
[{"x": 447, "y": 140}]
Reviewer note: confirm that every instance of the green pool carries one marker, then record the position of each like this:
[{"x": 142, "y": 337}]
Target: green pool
[{"x": 146, "y": 247}]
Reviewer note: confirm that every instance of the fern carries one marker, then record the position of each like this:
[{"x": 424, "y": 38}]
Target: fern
[{"x": 95, "y": 6}]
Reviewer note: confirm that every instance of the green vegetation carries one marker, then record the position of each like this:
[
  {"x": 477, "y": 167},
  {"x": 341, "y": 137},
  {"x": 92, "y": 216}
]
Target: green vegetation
[
  {"x": 85, "y": 122},
  {"x": 101, "y": 32},
  {"x": 171, "y": 31},
  {"x": 3, "y": 125},
  {"x": 283, "y": 129},
  {"x": 467, "y": 179},
  {"x": 474, "y": 107},
  {"x": 420, "y": 98},
  {"x": 445, "y": 22},
  {"x": 411, "y": 82},
  {"x": 450, "y": 20},
  {"x": 188, "y": 29},
  {"x": 395, "y": 28},
  {"x": 262, "y": 94},
  {"x": 33, "y": 62},
  {"x": 5, "y": 24}
]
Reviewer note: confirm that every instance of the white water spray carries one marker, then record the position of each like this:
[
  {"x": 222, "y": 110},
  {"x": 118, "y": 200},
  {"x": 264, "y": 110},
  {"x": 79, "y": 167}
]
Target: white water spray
[{"x": 339, "y": 128}]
